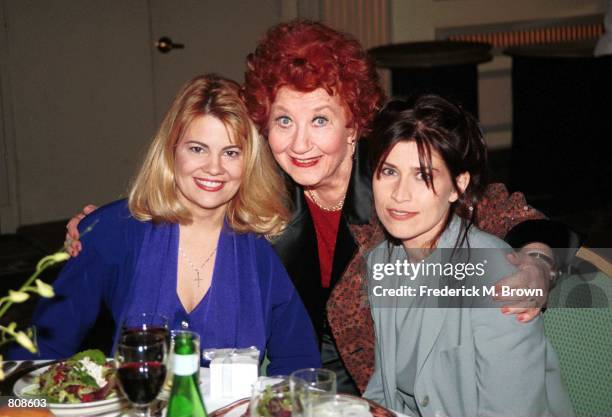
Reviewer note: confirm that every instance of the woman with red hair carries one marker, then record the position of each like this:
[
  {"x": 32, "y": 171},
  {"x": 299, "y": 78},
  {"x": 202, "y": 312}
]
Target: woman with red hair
[{"x": 313, "y": 93}]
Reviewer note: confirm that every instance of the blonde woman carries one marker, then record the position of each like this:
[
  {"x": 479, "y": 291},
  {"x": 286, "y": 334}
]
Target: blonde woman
[{"x": 187, "y": 243}]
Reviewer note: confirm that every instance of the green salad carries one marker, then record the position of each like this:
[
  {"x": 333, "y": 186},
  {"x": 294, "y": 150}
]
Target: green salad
[
  {"x": 82, "y": 378},
  {"x": 275, "y": 401}
]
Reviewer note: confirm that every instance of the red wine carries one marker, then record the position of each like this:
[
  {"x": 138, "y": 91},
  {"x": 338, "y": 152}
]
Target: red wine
[
  {"x": 130, "y": 334},
  {"x": 142, "y": 381}
]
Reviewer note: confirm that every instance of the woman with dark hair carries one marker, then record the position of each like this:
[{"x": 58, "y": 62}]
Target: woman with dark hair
[
  {"x": 313, "y": 92},
  {"x": 429, "y": 162}
]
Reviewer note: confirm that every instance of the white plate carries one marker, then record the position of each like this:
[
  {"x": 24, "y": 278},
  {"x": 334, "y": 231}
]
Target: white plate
[{"x": 26, "y": 383}]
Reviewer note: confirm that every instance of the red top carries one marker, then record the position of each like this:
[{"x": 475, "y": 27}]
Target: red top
[{"x": 326, "y": 225}]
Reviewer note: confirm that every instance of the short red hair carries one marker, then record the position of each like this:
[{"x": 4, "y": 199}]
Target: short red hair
[{"x": 304, "y": 56}]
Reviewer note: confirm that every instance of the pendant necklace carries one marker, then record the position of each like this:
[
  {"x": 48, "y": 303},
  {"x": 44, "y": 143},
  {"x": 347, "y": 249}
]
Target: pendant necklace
[{"x": 195, "y": 268}]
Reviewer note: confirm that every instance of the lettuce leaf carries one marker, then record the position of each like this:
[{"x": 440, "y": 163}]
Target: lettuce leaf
[{"x": 95, "y": 355}]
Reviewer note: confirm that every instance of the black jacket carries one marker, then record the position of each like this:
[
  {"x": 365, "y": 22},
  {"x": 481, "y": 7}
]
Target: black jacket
[{"x": 297, "y": 246}]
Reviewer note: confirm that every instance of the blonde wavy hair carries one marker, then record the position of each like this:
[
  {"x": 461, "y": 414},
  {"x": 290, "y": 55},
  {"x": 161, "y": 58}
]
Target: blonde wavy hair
[{"x": 260, "y": 204}]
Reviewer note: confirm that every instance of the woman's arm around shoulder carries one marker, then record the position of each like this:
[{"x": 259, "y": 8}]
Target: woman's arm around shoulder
[
  {"x": 291, "y": 343},
  {"x": 509, "y": 216}
]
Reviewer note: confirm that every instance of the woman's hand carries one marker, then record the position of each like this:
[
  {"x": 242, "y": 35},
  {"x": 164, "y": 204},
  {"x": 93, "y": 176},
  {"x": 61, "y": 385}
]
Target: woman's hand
[
  {"x": 72, "y": 243},
  {"x": 533, "y": 273}
]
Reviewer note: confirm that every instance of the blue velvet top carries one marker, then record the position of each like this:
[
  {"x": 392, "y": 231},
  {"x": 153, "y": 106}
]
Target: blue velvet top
[{"x": 131, "y": 266}]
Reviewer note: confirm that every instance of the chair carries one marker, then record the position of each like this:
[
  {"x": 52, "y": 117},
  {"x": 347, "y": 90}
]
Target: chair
[{"x": 578, "y": 323}]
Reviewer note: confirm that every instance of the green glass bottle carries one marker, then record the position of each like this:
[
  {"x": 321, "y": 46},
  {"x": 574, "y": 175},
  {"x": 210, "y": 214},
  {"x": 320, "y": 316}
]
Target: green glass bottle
[{"x": 185, "y": 397}]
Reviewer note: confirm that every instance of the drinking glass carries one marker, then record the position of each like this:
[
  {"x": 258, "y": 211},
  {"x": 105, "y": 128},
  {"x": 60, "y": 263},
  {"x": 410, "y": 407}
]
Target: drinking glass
[
  {"x": 140, "y": 360},
  {"x": 271, "y": 397},
  {"x": 334, "y": 405},
  {"x": 319, "y": 379},
  {"x": 308, "y": 386}
]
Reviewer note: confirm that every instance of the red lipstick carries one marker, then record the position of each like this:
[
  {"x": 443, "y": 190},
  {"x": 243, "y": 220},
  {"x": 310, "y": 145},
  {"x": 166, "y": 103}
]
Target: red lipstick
[
  {"x": 208, "y": 185},
  {"x": 305, "y": 163}
]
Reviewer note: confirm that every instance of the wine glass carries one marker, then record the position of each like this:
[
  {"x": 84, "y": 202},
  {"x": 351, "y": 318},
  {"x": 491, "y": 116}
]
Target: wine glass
[
  {"x": 154, "y": 323},
  {"x": 140, "y": 359},
  {"x": 157, "y": 325}
]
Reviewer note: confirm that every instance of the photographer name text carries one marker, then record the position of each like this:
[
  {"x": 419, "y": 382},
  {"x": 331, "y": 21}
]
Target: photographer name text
[{"x": 473, "y": 291}]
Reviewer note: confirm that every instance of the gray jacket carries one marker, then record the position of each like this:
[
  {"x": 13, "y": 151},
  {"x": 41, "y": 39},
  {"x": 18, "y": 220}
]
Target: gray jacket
[{"x": 469, "y": 361}]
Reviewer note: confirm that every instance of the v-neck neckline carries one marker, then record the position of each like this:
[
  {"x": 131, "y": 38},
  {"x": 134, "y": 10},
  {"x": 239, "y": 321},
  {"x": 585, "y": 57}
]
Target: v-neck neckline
[{"x": 202, "y": 300}]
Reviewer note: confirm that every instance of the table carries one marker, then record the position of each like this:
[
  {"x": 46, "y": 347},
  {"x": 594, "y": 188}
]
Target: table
[
  {"x": 446, "y": 68},
  {"x": 212, "y": 404}
]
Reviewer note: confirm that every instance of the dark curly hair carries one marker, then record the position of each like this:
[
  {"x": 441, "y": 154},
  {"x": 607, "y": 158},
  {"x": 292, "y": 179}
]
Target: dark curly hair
[
  {"x": 304, "y": 56},
  {"x": 435, "y": 124}
]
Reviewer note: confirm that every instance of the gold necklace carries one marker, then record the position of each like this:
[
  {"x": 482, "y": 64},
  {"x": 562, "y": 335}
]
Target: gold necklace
[
  {"x": 315, "y": 199},
  {"x": 195, "y": 268}
]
